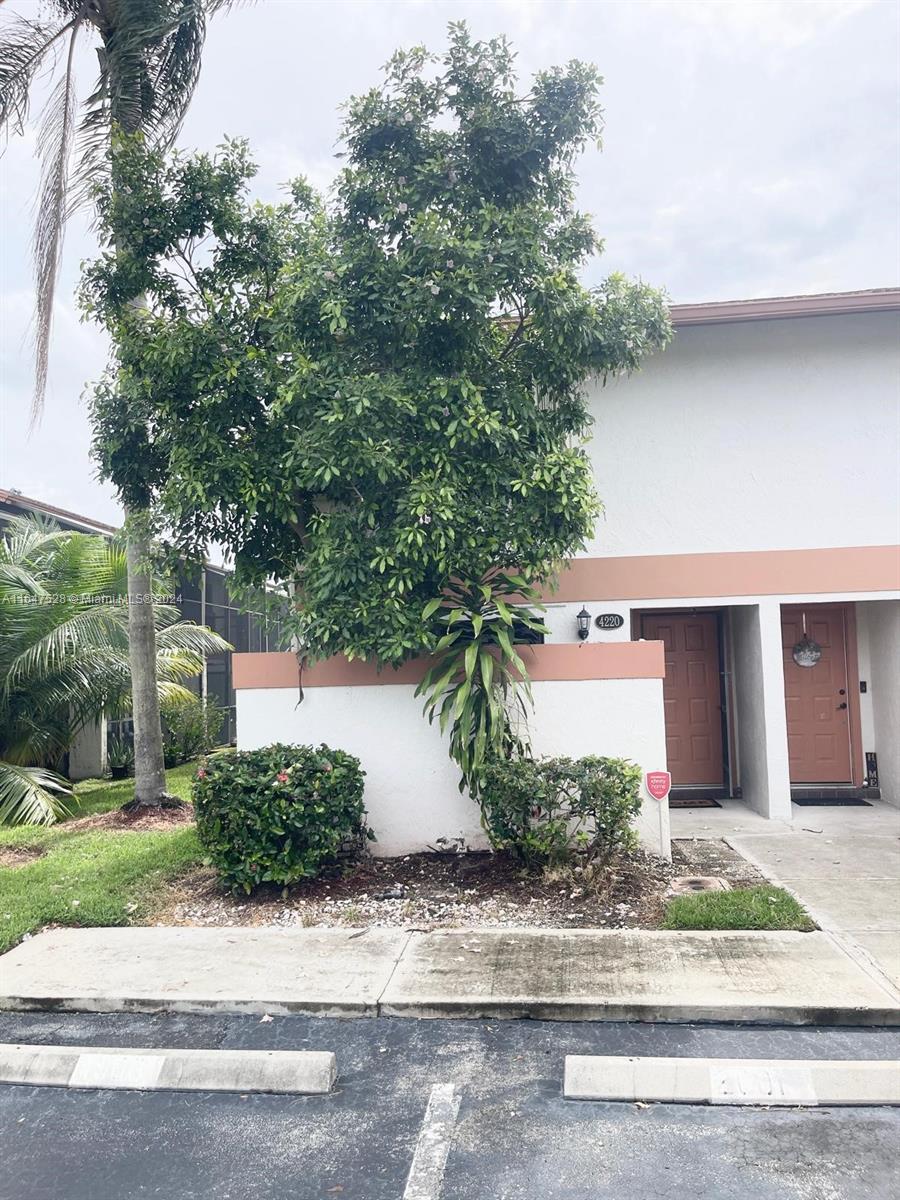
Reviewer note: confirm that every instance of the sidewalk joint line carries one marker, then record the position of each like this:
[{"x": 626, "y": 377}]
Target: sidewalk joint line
[{"x": 387, "y": 982}]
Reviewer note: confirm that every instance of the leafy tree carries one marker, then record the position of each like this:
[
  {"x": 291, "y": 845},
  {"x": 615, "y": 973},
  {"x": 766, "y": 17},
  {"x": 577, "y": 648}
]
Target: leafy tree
[
  {"x": 64, "y": 656},
  {"x": 149, "y": 54},
  {"x": 376, "y": 397}
]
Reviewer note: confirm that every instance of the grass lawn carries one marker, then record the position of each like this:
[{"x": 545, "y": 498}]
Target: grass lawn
[
  {"x": 92, "y": 876},
  {"x": 763, "y": 907}
]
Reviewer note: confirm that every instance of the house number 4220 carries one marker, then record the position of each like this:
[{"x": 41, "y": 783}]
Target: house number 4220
[{"x": 609, "y": 621}]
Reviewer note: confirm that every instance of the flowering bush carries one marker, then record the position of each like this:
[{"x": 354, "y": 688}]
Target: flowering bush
[
  {"x": 279, "y": 814},
  {"x": 547, "y": 811}
]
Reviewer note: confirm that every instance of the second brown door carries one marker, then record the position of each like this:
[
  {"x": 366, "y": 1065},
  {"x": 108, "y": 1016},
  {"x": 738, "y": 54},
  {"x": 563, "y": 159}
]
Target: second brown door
[
  {"x": 692, "y": 695},
  {"x": 816, "y": 698}
]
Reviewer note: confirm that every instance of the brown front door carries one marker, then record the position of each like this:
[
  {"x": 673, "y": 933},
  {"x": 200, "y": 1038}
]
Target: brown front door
[
  {"x": 816, "y": 698},
  {"x": 692, "y": 695}
]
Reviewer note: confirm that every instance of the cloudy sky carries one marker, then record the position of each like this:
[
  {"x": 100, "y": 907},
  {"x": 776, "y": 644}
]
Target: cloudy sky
[{"x": 751, "y": 149}]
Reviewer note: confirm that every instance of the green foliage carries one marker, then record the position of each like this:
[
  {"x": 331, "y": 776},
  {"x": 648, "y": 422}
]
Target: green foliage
[
  {"x": 90, "y": 876},
  {"x": 764, "y": 907},
  {"x": 548, "y": 811},
  {"x": 372, "y": 396},
  {"x": 479, "y": 683},
  {"x": 64, "y": 656},
  {"x": 119, "y": 752},
  {"x": 279, "y": 814},
  {"x": 190, "y": 726}
]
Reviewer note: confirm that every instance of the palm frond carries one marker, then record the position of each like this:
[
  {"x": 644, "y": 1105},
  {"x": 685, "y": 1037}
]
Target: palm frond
[
  {"x": 31, "y": 795},
  {"x": 194, "y": 639},
  {"x": 27, "y": 46},
  {"x": 55, "y": 149},
  {"x": 24, "y": 537}
]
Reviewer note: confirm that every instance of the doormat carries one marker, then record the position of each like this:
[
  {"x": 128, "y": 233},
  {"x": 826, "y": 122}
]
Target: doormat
[
  {"x": 840, "y": 802},
  {"x": 694, "y": 803}
]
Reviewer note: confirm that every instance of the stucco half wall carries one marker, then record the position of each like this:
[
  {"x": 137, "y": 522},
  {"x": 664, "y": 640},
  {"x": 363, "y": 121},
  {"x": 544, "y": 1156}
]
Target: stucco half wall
[{"x": 590, "y": 699}]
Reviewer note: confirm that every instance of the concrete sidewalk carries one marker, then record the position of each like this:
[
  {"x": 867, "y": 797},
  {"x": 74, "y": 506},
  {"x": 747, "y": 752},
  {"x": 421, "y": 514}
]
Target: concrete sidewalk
[
  {"x": 843, "y": 864},
  {"x": 621, "y": 975}
]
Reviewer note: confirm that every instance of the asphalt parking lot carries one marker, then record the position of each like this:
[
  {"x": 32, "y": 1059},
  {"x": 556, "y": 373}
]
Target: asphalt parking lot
[{"x": 496, "y": 1087}]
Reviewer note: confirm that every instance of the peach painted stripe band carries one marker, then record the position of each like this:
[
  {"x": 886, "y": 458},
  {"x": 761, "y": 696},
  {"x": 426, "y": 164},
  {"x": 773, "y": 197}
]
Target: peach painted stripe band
[
  {"x": 739, "y": 573},
  {"x": 563, "y": 660}
]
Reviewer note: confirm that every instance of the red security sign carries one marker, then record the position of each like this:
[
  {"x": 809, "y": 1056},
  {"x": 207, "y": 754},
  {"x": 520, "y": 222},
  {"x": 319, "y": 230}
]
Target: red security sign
[{"x": 658, "y": 784}]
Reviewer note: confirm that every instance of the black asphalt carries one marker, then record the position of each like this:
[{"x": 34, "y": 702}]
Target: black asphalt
[{"x": 515, "y": 1139}]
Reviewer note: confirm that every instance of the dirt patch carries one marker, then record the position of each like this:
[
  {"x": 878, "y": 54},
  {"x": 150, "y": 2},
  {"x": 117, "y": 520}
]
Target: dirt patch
[
  {"x": 432, "y": 891},
  {"x": 20, "y": 856},
  {"x": 142, "y": 819},
  {"x": 712, "y": 856}
]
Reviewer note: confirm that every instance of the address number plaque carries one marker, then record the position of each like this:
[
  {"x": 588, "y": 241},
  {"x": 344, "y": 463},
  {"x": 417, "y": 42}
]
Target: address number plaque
[{"x": 609, "y": 621}]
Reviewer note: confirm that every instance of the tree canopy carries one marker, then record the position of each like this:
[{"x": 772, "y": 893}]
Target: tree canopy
[{"x": 378, "y": 393}]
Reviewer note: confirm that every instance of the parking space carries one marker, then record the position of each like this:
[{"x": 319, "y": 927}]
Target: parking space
[{"x": 477, "y": 1105}]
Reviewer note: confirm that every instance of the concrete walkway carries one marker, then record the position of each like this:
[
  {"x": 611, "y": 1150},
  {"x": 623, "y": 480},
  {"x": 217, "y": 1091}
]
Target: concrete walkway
[
  {"x": 621, "y": 975},
  {"x": 843, "y": 864}
]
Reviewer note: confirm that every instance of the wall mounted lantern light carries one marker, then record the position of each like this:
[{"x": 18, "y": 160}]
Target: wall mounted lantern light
[{"x": 584, "y": 624}]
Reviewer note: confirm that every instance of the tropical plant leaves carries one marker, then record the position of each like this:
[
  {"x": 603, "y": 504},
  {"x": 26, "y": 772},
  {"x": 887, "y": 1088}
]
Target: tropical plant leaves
[{"x": 479, "y": 681}]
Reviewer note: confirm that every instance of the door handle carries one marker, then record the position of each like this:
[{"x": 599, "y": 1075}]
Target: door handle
[{"x": 844, "y": 705}]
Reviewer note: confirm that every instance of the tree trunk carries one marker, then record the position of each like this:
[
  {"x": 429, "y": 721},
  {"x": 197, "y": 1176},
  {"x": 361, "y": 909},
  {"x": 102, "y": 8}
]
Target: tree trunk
[{"x": 149, "y": 765}]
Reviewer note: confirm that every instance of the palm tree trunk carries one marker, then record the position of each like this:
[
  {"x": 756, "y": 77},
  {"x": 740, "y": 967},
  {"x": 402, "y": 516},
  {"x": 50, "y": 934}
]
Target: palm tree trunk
[{"x": 149, "y": 765}]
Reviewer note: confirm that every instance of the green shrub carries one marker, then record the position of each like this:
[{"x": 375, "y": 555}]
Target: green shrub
[
  {"x": 190, "y": 727},
  {"x": 547, "y": 811},
  {"x": 279, "y": 814}
]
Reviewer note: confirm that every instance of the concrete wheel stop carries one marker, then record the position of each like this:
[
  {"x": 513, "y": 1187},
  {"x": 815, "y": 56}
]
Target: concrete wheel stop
[{"x": 284, "y": 1072}]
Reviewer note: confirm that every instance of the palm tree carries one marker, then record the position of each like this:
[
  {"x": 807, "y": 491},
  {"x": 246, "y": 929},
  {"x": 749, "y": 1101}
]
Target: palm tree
[
  {"x": 64, "y": 656},
  {"x": 149, "y": 54}
]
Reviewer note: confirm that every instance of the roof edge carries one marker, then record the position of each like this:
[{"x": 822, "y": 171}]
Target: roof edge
[
  {"x": 29, "y": 504},
  {"x": 784, "y": 307}
]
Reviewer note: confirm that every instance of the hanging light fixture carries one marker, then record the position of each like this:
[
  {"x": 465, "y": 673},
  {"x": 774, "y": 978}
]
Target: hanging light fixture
[
  {"x": 806, "y": 652},
  {"x": 584, "y": 624}
]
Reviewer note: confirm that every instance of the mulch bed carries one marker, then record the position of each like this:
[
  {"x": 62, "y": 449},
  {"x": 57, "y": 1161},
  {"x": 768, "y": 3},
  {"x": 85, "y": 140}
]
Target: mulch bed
[
  {"x": 431, "y": 891},
  {"x": 139, "y": 819}
]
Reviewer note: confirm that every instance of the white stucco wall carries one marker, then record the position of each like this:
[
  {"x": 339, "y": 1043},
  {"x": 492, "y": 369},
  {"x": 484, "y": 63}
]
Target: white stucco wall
[
  {"x": 753, "y": 436},
  {"x": 758, "y": 713},
  {"x": 87, "y": 754},
  {"x": 882, "y": 618},
  {"x": 411, "y": 785}
]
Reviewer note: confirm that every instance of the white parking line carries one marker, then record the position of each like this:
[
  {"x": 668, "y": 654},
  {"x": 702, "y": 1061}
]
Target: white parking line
[{"x": 426, "y": 1175}]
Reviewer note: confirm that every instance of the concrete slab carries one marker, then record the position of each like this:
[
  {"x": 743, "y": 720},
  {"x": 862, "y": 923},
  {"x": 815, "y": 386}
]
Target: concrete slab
[
  {"x": 789, "y": 978},
  {"x": 285, "y": 1072},
  {"x": 194, "y": 970},
  {"x": 884, "y": 947},
  {"x": 635, "y": 975},
  {"x": 870, "y": 904},
  {"x": 817, "y": 856},
  {"x": 742, "y": 1081},
  {"x": 847, "y": 879},
  {"x": 873, "y": 820}
]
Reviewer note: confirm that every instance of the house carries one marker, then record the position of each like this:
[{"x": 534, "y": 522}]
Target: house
[
  {"x": 204, "y": 599},
  {"x": 742, "y": 587},
  {"x": 754, "y": 529}
]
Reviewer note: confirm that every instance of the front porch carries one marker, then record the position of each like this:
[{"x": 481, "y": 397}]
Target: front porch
[{"x": 782, "y": 700}]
